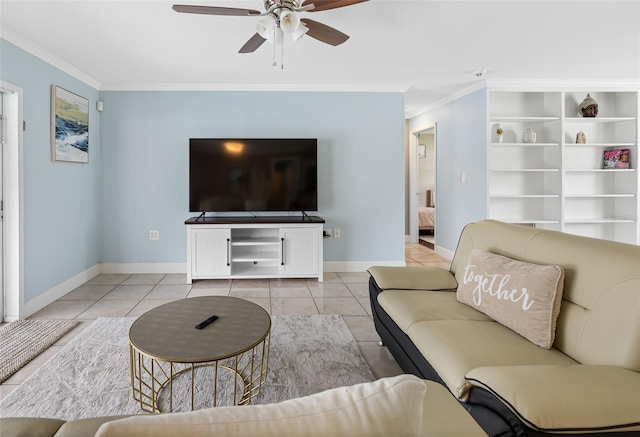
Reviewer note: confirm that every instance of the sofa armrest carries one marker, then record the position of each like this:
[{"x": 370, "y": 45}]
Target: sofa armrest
[
  {"x": 585, "y": 398},
  {"x": 413, "y": 278}
]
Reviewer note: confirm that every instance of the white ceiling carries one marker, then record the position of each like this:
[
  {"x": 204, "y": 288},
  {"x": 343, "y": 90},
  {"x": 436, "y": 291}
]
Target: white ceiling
[{"x": 427, "y": 49}]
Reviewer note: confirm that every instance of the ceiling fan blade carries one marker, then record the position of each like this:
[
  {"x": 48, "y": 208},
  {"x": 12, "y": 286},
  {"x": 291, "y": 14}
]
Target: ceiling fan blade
[
  {"x": 214, "y": 10},
  {"x": 323, "y": 5},
  {"x": 324, "y": 33},
  {"x": 252, "y": 45}
]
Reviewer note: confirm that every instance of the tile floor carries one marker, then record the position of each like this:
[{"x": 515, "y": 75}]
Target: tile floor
[{"x": 132, "y": 295}]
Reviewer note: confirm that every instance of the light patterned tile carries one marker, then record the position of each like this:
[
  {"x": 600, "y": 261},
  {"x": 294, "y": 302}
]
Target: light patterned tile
[
  {"x": 88, "y": 292},
  {"x": 362, "y": 328},
  {"x": 128, "y": 292},
  {"x": 61, "y": 309},
  {"x": 109, "y": 308},
  {"x": 146, "y": 305},
  {"x": 380, "y": 360},
  {"x": 346, "y": 306},
  {"x": 199, "y": 292},
  {"x": 354, "y": 277},
  {"x": 330, "y": 290},
  {"x": 145, "y": 279},
  {"x": 290, "y": 292},
  {"x": 294, "y": 305},
  {"x": 109, "y": 279},
  {"x": 174, "y": 291}
]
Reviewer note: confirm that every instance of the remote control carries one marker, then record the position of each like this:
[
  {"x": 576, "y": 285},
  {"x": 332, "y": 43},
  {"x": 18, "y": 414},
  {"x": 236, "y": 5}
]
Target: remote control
[{"x": 207, "y": 322}]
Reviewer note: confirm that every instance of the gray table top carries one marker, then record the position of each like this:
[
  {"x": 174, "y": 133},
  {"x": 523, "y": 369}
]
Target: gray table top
[{"x": 168, "y": 332}]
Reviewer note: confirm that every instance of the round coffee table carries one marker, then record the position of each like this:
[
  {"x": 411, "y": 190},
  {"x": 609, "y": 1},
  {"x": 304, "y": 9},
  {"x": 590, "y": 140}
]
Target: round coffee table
[{"x": 164, "y": 344}]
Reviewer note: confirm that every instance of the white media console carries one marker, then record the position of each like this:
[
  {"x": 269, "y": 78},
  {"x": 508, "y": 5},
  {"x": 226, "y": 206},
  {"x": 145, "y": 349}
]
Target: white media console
[{"x": 254, "y": 247}]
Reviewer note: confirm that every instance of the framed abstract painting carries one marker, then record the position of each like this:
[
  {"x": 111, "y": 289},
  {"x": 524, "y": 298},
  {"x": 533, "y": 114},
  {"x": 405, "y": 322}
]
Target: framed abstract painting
[{"x": 69, "y": 126}]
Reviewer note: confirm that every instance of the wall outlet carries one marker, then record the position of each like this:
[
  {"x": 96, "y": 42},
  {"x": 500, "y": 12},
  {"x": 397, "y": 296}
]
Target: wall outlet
[
  {"x": 154, "y": 235},
  {"x": 336, "y": 233}
]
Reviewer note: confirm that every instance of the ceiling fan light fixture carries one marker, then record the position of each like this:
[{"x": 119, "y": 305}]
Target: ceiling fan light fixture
[
  {"x": 299, "y": 32},
  {"x": 265, "y": 28},
  {"x": 289, "y": 21}
]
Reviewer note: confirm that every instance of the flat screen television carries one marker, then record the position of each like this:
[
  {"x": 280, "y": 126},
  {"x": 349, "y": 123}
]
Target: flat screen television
[{"x": 251, "y": 174}]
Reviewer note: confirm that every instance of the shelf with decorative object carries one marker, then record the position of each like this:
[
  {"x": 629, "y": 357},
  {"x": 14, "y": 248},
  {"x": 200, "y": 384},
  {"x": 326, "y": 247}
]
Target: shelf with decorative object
[{"x": 579, "y": 174}]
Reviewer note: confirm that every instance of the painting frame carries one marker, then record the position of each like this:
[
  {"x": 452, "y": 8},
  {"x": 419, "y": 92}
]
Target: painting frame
[{"x": 69, "y": 126}]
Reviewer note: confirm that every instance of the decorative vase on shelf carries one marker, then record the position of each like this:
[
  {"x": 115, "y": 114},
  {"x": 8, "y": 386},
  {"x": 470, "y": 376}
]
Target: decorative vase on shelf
[
  {"x": 499, "y": 134},
  {"x": 529, "y": 136},
  {"x": 581, "y": 138}
]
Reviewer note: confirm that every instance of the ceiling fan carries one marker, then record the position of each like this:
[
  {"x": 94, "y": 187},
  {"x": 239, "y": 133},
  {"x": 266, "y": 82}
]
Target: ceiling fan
[{"x": 281, "y": 18}]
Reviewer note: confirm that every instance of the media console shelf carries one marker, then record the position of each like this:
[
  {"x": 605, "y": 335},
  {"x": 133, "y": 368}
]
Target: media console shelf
[{"x": 254, "y": 247}]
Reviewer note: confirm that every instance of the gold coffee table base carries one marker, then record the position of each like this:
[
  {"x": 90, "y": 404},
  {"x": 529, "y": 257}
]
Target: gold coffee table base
[{"x": 248, "y": 371}]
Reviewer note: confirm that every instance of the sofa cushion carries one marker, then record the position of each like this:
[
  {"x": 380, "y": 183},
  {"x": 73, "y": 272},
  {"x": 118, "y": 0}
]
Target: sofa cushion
[
  {"x": 85, "y": 427},
  {"x": 413, "y": 278},
  {"x": 407, "y": 307},
  {"x": 389, "y": 406},
  {"x": 29, "y": 426},
  {"x": 454, "y": 347},
  {"x": 591, "y": 398},
  {"x": 522, "y": 296}
]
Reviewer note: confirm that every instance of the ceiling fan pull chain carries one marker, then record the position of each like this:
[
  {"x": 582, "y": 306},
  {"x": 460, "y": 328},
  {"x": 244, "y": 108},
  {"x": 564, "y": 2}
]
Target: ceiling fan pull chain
[
  {"x": 282, "y": 54},
  {"x": 275, "y": 33}
]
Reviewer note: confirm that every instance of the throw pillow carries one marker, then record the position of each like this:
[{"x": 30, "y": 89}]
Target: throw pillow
[{"x": 522, "y": 296}]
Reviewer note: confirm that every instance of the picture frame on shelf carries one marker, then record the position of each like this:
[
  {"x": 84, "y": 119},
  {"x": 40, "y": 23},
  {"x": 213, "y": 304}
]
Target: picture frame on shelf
[
  {"x": 69, "y": 126},
  {"x": 616, "y": 159}
]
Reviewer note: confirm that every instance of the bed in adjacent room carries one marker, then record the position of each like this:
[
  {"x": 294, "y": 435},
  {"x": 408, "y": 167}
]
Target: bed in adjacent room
[{"x": 427, "y": 214}]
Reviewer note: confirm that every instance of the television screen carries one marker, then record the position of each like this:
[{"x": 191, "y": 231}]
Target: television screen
[{"x": 227, "y": 175}]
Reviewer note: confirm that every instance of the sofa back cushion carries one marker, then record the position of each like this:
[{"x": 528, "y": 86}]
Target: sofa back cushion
[
  {"x": 388, "y": 406},
  {"x": 599, "y": 321},
  {"x": 522, "y": 296}
]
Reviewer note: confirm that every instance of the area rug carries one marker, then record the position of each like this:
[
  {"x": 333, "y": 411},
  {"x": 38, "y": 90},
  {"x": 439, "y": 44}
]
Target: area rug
[
  {"x": 22, "y": 341},
  {"x": 90, "y": 376}
]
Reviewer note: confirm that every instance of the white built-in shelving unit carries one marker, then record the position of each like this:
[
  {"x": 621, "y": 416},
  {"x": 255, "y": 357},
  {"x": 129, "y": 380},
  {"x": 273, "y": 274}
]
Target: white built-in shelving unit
[{"x": 555, "y": 183}]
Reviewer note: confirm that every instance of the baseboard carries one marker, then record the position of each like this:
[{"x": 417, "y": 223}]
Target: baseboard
[
  {"x": 358, "y": 266},
  {"x": 55, "y": 293},
  {"x": 439, "y": 250},
  {"x": 142, "y": 268}
]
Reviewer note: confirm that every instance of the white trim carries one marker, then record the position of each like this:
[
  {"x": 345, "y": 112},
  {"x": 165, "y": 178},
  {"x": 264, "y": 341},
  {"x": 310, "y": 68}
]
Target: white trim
[
  {"x": 55, "y": 293},
  {"x": 547, "y": 85},
  {"x": 253, "y": 87},
  {"x": 143, "y": 268},
  {"x": 448, "y": 99},
  {"x": 13, "y": 205},
  {"x": 358, "y": 266},
  {"x": 414, "y": 135},
  {"x": 47, "y": 57},
  {"x": 446, "y": 253}
]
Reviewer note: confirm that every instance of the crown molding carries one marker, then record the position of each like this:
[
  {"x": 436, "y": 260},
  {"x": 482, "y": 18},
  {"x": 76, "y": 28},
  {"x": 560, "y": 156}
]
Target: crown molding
[
  {"x": 252, "y": 87},
  {"x": 563, "y": 85},
  {"x": 47, "y": 57},
  {"x": 448, "y": 99}
]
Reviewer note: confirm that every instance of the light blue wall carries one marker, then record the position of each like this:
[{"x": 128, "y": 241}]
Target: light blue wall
[
  {"x": 461, "y": 148},
  {"x": 80, "y": 215},
  {"x": 61, "y": 200},
  {"x": 145, "y": 138}
]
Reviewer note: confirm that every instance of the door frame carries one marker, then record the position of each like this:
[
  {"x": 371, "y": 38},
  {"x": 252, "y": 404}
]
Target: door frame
[
  {"x": 414, "y": 137},
  {"x": 13, "y": 255}
]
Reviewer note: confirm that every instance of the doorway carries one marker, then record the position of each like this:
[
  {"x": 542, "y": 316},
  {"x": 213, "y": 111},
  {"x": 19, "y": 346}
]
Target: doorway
[
  {"x": 422, "y": 184},
  {"x": 11, "y": 258}
]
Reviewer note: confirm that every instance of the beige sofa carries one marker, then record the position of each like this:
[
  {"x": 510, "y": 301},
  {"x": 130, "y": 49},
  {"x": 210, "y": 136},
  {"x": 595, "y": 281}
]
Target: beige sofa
[
  {"x": 398, "y": 406},
  {"x": 588, "y": 382}
]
